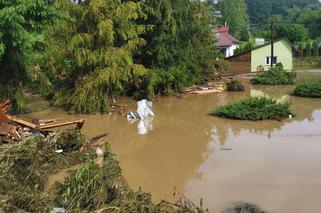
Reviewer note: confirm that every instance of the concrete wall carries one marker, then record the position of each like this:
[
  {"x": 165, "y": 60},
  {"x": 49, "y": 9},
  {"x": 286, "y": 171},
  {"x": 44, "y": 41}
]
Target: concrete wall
[{"x": 283, "y": 51}]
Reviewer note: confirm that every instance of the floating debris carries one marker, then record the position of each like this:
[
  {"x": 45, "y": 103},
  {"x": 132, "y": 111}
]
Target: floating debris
[{"x": 13, "y": 129}]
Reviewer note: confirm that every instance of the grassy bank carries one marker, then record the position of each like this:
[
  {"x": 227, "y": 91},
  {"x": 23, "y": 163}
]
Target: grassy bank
[
  {"x": 309, "y": 90},
  {"x": 254, "y": 109}
]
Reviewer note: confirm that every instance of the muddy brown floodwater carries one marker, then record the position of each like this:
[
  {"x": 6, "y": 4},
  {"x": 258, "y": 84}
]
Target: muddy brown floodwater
[{"x": 276, "y": 165}]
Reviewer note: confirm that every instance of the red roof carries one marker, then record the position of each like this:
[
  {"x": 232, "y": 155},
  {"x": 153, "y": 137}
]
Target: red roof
[{"x": 224, "y": 39}]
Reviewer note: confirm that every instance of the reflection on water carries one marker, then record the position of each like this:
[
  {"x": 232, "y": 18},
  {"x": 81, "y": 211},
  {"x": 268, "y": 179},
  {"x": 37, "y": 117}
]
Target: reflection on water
[{"x": 276, "y": 165}]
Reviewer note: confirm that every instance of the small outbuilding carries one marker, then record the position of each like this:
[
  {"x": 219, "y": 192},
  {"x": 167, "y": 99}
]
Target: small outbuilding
[{"x": 259, "y": 58}]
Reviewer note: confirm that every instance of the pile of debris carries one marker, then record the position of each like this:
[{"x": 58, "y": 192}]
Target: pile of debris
[
  {"x": 13, "y": 129},
  {"x": 210, "y": 87}
]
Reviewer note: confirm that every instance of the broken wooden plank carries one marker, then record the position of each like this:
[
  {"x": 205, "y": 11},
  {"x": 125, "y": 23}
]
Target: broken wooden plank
[
  {"x": 79, "y": 124},
  {"x": 23, "y": 122},
  {"x": 98, "y": 137},
  {"x": 5, "y": 106}
]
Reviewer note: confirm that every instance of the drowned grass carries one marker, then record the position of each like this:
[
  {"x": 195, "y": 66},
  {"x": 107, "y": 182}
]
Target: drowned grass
[
  {"x": 25, "y": 167},
  {"x": 258, "y": 108},
  {"x": 309, "y": 90}
]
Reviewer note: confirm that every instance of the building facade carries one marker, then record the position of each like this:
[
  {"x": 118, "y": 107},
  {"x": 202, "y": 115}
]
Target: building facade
[{"x": 259, "y": 58}]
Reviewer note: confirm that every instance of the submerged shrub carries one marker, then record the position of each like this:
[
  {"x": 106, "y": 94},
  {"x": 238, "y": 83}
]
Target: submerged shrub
[
  {"x": 275, "y": 76},
  {"x": 235, "y": 86},
  {"x": 258, "y": 108},
  {"x": 309, "y": 90}
]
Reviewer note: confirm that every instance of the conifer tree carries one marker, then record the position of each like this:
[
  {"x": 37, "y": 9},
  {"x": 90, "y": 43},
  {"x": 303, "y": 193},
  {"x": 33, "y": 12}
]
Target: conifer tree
[
  {"x": 93, "y": 60},
  {"x": 180, "y": 49}
]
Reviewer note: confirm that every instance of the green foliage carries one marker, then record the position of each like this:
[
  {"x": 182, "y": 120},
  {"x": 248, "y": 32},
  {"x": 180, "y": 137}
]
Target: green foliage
[
  {"x": 245, "y": 46},
  {"x": 22, "y": 24},
  {"x": 254, "y": 109},
  {"x": 308, "y": 50},
  {"x": 309, "y": 90},
  {"x": 294, "y": 32},
  {"x": 237, "y": 23},
  {"x": 315, "y": 48},
  {"x": 261, "y": 10},
  {"x": 110, "y": 48},
  {"x": 275, "y": 76},
  {"x": 301, "y": 50},
  {"x": 93, "y": 53},
  {"x": 245, "y": 35},
  {"x": 180, "y": 49},
  {"x": 235, "y": 86}
]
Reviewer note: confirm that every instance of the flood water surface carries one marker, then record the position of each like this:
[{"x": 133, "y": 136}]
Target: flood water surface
[{"x": 276, "y": 165}]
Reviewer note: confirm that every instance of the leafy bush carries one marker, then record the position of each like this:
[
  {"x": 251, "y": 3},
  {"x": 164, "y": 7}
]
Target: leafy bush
[
  {"x": 235, "y": 86},
  {"x": 254, "y": 109},
  {"x": 275, "y": 76},
  {"x": 309, "y": 89}
]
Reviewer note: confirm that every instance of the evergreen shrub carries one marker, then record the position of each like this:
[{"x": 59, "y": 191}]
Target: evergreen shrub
[
  {"x": 275, "y": 76},
  {"x": 254, "y": 108},
  {"x": 309, "y": 90}
]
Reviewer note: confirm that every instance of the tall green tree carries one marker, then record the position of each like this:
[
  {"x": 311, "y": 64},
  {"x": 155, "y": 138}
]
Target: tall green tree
[
  {"x": 93, "y": 54},
  {"x": 181, "y": 48},
  {"x": 294, "y": 32},
  {"x": 308, "y": 49},
  {"x": 22, "y": 24},
  {"x": 261, "y": 10},
  {"x": 315, "y": 48},
  {"x": 234, "y": 14}
]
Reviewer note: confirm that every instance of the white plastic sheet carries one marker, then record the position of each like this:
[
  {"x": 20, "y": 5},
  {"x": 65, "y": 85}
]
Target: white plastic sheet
[{"x": 144, "y": 114}]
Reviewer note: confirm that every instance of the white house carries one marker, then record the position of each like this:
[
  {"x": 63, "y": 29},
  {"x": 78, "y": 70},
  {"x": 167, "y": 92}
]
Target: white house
[{"x": 226, "y": 42}]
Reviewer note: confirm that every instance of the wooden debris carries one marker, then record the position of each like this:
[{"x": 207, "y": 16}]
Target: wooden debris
[
  {"x": 14, "y": 129},
  {"x": 211, "y": 87},
  {"x": 98, "y": 137},
  {"x": 5, "y": 106},
  {"x": 119, "y": 108},
  {"x": 79, "y": 123},
  {"x": 23, "y": 122}
]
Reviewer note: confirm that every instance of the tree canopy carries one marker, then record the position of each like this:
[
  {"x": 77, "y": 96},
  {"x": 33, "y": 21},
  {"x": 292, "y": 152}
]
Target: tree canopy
[
  {"x": 234, "y": 13},
  {"x": 22, "y": 24},
  {"x": 110, "y": 48}
]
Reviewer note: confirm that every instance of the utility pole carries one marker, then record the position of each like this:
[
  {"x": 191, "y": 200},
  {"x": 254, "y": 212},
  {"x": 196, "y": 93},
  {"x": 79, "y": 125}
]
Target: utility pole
[{"x": 272, "y": 42}]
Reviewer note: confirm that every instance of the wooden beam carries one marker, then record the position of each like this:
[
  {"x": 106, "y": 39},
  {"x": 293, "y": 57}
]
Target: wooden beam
[
  {"x": 79, "y": 123},
  {"x": 23, "y": 122}
]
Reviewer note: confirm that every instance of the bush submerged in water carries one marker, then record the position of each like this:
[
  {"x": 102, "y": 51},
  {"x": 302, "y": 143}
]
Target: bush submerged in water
[
  {"x": 275, "y": 76},
  {"x": 254, "y": 109},
  {"x": 309, "y": 90},
  {"x": 235, "y": 86}
]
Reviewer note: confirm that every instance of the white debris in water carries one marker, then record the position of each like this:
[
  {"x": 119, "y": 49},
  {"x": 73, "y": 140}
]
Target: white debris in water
[
  {"x": 144, "y": 110},
  {"x": 99, "y": 152},
  {"x": 144, "y": 114}
]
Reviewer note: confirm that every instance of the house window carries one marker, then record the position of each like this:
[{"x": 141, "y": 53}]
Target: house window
[{"x": 268, "y": 60}]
